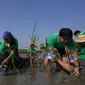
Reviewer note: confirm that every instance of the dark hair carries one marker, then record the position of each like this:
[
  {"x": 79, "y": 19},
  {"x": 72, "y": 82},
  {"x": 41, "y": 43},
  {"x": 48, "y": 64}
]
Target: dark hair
[
  {"x": 66, "y": 33},
  {"x": 77, "y": 31},
  {"x": 32, "y": 45}
]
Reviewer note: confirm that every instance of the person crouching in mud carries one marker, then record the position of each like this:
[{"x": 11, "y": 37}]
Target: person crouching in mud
[
  {"x": 59, "y": 42},
  {"x": 32, "y": 51},
  {"x": 81, "y": 47},
  {"x": 9, "y": 50}
]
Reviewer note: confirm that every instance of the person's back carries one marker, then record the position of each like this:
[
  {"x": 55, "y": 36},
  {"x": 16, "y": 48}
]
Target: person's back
[{"x": 54, "y": 41}]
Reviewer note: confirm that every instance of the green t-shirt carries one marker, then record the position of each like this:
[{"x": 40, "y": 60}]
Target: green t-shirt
[
  {"x": 82, "y": 52},
  {"x": 82, "y": 48},
  {"x": 5, "y": 48},
  {"x": 54, "y": 42},
  {"x": 34, "y": 52}
]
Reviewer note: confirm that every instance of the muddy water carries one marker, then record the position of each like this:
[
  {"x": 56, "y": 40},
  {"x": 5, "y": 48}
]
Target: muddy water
[
  {"x": 25, "y": 78},
  {"x": 40, "y": 77}
]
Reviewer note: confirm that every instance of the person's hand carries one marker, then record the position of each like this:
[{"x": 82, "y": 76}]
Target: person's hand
[
  {"x": 54, "y": 56},
  {"x": 75, "y": 72},
  {"x": 67, "y": 67},
  {"x": 4, "y": 61},
  {"x": 12, "y": 52}
]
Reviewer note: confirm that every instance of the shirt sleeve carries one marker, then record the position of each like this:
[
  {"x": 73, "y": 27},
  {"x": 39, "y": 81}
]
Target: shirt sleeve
[
  {"x": 2, "y": 48},
  {"x": 82, "y": 54},
  {"x": 36, "y": 52},
  {"x": 72, "y": 45},
  {"x": 50, "y": 42}
]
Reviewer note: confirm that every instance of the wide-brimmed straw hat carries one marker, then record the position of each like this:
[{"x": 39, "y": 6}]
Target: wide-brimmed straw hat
[{"x": 80, "y": 38}]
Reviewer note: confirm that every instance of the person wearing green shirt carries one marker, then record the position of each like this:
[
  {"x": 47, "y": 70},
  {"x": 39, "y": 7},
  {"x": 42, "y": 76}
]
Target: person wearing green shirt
[
  {"x": 9, "y": 49},
  {"x": 81, "y": 42},
  {"x": 59, "y": 41},
  {"x": 81, "y": 47},
  {"x": 32, "y": 50}
]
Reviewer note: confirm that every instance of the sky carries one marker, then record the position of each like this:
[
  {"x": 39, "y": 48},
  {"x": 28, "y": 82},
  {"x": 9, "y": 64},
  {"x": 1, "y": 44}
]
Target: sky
[{"x": 19, "y": 16}]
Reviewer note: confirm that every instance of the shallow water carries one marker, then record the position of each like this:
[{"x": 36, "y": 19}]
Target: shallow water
[
  {"x": 41, "y": 77},
  {"x": 34, "y": 79}
]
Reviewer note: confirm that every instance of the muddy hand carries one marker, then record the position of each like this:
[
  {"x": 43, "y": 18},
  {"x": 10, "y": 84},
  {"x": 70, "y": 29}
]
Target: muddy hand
[
  {"x": 4, "y": 61},
  {"x": 67, "y": 67},
  {"x": 75, "y": 72}
]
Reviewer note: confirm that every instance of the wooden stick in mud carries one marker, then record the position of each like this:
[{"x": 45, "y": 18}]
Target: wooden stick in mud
[
  {"x": 66, "y": 49},
  {"x": 31, "y": 64},
  {"x": 67, "y": 53}
]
